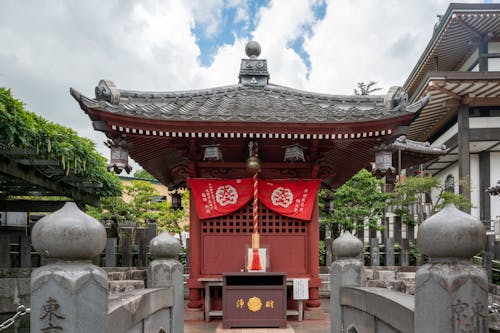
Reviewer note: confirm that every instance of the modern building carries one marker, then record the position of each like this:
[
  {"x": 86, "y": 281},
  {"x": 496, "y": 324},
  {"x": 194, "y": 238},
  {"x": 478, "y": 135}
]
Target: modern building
[{"x": 460, "y": 70}]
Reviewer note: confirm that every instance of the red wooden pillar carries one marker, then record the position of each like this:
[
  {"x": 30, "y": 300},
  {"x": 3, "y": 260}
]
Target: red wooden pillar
[
  {"x": 313, "y": 257},
  {"x": 195, "y": 286}
]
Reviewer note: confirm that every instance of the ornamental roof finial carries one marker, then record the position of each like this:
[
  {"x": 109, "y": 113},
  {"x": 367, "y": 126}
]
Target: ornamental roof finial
[{"x": 253, "y": 71}]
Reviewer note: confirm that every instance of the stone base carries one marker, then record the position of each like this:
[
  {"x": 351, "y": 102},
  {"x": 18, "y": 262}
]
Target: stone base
[
  {"x": 288, "y": 329},
  {"x": 314, "y": 314},
  {"x": 193, "y": 314}
]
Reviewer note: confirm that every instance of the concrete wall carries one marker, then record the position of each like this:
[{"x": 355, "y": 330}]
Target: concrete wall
[{"x": 14, "y": 288}]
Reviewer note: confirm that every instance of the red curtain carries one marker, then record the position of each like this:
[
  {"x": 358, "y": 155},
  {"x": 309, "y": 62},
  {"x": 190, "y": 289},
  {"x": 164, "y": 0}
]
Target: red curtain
[
  {"x": 217, "y": 197},
  {"x": 293, "y": 198}
]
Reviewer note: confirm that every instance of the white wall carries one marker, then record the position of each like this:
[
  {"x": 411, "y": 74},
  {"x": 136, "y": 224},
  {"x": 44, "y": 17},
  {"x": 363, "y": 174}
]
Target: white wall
[
  {"x": 494, "y": 177},
  {"x": 475, "y": 185},
  {"x": 484, "y": 122}
]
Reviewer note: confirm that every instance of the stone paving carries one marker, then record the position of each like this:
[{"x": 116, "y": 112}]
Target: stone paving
[{"x": 305, "y": 326}]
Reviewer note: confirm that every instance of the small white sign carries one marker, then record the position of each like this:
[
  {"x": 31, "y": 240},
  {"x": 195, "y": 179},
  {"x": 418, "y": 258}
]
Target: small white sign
[{"x": 300, "y": 288}]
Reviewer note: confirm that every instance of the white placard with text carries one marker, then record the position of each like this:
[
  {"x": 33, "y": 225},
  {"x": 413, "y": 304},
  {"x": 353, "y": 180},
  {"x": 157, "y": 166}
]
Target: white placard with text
[{"x": 300, "y": 289}]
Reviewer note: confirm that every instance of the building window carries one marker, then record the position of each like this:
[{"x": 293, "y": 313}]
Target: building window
[{"x": 449, "y": 184}]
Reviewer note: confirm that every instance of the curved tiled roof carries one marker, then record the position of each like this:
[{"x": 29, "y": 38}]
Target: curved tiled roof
[{"x": 240, "y": 103}]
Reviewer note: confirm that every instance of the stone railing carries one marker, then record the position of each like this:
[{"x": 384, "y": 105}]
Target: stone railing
[
  {"x": 70, "y": 294},
  {"x": 141, "y": 311},
  {"x": 451, "y": 294},
  {"x": 370, "y": 309}
]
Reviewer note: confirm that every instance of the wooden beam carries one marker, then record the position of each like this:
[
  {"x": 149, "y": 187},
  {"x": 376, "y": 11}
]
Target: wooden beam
[
  {"x": 484, "y": 184},
  {"x": 467, "y": 28},
  {"x": 463, "y": 151},
  {"x": 484, "y": 134},
  {"x": 26, "y": 151},
  {"x": 242, "y": 165},
  {"x": 436, "y": 86},
  {"x": 38, "y": 162},
  {"x": 474, "y": 101},
  {"x": 30, "y": 175},
  {"x": 30, "y": 205}
]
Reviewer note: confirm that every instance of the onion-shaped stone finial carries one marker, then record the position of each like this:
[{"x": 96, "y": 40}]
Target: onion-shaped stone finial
[
  {"x": 347, "y": 246},
  {"x": 69, "y": 234},
  {"x": 451, "y": 233},
  {"x": 165, "y": 246},
  {"x": 252, "y": 49}
]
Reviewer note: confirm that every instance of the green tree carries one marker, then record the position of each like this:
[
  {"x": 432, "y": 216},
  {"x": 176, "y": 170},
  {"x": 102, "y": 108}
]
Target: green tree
[
  {"x": 143, "y": 174},
  {"x": 142, "y": 206},
  {"x": 359, "y": 202},
  {"x": 20, "y": 128},
  {"x": 366, "y": 88},
  {"x": 418, "y": 192}
]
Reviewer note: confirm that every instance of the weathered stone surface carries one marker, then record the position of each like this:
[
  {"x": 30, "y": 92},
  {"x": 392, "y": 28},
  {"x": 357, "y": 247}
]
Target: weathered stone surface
[
  {"x": 346, "y": 246},
  {"x": 451, "y": 294},
  {"x": 167, "y": 272},
  {"x": 123, "y": 286},
  {"x": 127, "y": 311},
  {"x": 345, "y": 271},
  {"x": 384, "y": 275},
  {"x": 388, "y": 284},
  {"x": 165, "y": 246},
  {"x": 68, "y": 234},
  {"x": 439, "y": 235},
  {"x": 367, "y": 307},
  {"x": 77, "y": 294}
]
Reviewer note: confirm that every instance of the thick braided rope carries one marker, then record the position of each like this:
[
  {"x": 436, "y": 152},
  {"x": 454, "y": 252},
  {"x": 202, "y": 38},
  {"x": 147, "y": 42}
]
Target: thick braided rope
[{"x": 255, "y": 205}]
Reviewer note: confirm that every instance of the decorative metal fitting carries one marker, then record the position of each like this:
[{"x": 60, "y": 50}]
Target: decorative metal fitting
[
  {"x": 294, "y": 153},
  {"x": 212, "y": 153}
]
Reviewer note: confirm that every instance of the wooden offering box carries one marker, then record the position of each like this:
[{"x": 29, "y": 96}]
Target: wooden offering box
[{"x": 254, "y": 300}]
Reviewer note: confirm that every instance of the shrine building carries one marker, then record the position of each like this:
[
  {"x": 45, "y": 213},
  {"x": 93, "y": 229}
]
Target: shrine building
[{"x": 294, "y": 141}]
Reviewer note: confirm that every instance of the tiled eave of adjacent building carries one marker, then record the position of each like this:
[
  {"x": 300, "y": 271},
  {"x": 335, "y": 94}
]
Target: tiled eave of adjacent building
[
  {"x": 455, "y": 38},
  {"x": 448, "y": 90}
]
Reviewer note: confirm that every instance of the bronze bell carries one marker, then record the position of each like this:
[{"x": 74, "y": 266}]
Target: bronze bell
[{"x": 253, "y": 164}]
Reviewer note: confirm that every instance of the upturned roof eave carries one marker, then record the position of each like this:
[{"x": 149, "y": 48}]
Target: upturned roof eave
[{"x": 102, "y": 106}]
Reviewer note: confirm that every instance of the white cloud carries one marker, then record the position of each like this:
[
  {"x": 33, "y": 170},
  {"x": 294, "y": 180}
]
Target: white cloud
[{"x": 150, "y": 45}]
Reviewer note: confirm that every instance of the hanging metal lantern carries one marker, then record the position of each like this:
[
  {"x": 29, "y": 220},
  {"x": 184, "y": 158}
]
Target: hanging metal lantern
[
  {"x": 212, "y": 153},
  {"x": 119, "y": 155},
  {"x": 176, "y": 201},
  {"x": 294, "y": 153},
  {"x": 328, "y": 204}
]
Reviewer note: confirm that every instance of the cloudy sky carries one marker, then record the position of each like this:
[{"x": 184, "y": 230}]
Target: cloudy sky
[{"x": 319, "y": 45}]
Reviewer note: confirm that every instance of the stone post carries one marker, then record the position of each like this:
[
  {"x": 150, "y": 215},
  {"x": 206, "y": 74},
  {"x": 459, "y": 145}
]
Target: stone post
[
  {"x": 451, "y": 293},
  {"x": 69, "y": 294},
  {"x": 346, "y": 270},
  {"x": 166, "y": 271}
]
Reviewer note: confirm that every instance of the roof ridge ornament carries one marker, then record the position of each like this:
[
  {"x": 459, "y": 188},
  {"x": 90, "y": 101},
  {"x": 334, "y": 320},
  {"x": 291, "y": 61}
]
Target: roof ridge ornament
[
  {"x": 106, "y": 90},
  {"x": 253, "y": 71}
]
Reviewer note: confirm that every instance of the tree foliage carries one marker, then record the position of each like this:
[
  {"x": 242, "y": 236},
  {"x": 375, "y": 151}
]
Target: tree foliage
[
  {"x": 143, "y": 174},
  {"x": 23, "y": 129},
  {"x": 144, "y": 209},
  {"x": 366, "y": 88},
  {"x": 359, "y": 202},
  {"x": 421, "y": 191}
]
